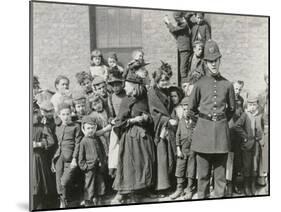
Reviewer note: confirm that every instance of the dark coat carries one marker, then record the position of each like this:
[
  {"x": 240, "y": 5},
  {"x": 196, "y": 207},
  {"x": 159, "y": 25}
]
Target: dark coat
[
  {"x": 184, "y": 136},
  {"x": 136, "y": 158},
  {"x": 212, "y": 96},
  {"x": 42, "y": 179},
  {"x": 198, "y": 72},
  {"x": 243, "y": 127},
  {"x": 91, "y": 153},
  {"x": 160, "y": 108},
  {"x": 69, "y": 137},
  {"x": 200, "y": 32},
  {"x": 181, "y": 32}
]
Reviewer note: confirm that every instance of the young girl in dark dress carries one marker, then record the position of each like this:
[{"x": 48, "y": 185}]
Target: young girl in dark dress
[{"x": 43, "y": 185}]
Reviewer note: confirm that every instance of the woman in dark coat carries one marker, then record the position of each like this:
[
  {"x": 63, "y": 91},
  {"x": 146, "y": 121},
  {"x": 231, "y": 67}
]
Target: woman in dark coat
[
  {"x": 135, "y": 169},
  {"x": 160, "y": 108},
  {"x": 43, "y": 185}
]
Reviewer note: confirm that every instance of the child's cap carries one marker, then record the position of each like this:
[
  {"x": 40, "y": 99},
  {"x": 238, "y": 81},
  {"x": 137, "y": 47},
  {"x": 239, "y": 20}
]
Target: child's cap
[
  {"x": 36, "y": 82},
  {"x": 185, "y": 101},
  {"x": 137, "y": 64},
  {"x": 199, "y": 14},
  {"x": 63, "y": 106},
  {"x": 94, "y": 98},
  {"x": 96, "y": 53},
  {"x": 115, "y": 75},
  {"x": 79, "y": 98},
  {"x": 98, "y": 80},
  {"x": 165, "y": 66},
  {"x": 89, "y": 120},
  {"x": 197, "y": 43},
  {"x": 133, "y": 78},
  {"x": 113, "y": 55},
  {"x": 46, "y": 106},
  {"x": 252, "y": 98},
  {"x": 211, "y": 51},
  {"x": 35, "y": 106}
]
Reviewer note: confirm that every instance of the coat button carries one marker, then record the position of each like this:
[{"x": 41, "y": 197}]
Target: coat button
[{"x": 215, "y": 91}]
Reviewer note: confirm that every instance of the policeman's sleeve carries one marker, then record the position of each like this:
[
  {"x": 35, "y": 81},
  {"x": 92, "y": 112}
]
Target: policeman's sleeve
[
  {"x": 230, "y": 103},
  {"x": 194, "y": 99},
  {"x": 78, "y": 138}
]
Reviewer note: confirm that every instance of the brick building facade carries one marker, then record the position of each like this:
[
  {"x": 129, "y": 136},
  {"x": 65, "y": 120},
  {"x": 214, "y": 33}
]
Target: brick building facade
[{"x": 63, "y": 38}]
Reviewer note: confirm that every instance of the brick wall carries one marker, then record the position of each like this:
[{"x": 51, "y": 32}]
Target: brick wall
[
  {"x": 62, "y": 43},
  {"x": 243, "y": 43},
  {"x": 158, "y": 43}
]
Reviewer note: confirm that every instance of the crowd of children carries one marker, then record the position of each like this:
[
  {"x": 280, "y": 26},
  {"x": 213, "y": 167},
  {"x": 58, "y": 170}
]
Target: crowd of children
[{"x": 126, "y": 136}]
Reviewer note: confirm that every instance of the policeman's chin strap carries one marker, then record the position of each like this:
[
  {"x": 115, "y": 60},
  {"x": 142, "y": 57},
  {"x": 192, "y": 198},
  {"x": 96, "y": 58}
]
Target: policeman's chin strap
[{"x": 212, "y": 74}]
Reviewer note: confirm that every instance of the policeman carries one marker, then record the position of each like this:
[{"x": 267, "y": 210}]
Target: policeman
[{"x": 213, "y": 99}]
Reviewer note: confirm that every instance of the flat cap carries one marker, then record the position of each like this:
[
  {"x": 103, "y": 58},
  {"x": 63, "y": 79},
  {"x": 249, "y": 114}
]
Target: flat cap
[
  {"x": 98, "y": 80},
  {"x": 89, "y": 120},
  {"x": 46, "y": 105}
]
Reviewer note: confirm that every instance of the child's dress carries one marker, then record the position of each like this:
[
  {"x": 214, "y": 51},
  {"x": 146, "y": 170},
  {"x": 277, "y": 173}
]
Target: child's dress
[
  {"x": 58, "y": 98},
  {"x": 42, "y": 180},
  {"x": 101, "y": 71},
  {"x": 103, "y": 121}
]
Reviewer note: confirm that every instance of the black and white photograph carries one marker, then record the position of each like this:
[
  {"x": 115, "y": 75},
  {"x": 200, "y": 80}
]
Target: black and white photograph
[{"x": 136, "y": 105}]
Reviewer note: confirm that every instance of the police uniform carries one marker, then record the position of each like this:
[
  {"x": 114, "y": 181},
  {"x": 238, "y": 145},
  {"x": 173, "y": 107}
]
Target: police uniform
[{"x": 213, "y": 99}]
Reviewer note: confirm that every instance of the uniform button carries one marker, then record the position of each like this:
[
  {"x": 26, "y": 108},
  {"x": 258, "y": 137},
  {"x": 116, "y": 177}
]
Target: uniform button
[
  {"x": 215, "y": 80},
  {"x": 214, "y": 108},
  {"x": 215, "y": 97},
  {"x": 215, "y": 103},
  {"x": 215, "y": 91},
  {"x": 215, "y": 86}
]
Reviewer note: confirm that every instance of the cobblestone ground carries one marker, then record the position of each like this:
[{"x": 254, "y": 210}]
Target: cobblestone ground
[{"x": 107, "y": 200}]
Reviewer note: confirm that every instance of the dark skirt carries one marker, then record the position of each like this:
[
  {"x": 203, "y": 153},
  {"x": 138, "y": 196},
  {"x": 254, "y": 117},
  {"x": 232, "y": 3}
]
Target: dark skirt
[
  {"x": 166, "y": 161},
  {"x": 136, "y": 161},
  {"x": 42, "y": 178}
]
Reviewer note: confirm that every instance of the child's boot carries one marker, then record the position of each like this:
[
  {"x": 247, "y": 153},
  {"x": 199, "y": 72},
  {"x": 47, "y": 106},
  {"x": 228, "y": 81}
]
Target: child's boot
[
  {"x": 189, "y": 189},
  {"x": 247, "y": 186},
  {"x": 229, "y": 188},
  {"x": 179, "y": 190},
  {"x": 118, "y": 199},
  {"x": 253, "y": 185}
]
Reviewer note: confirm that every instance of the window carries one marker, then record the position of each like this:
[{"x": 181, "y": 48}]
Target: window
[{"x": 116, "y": 29}]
